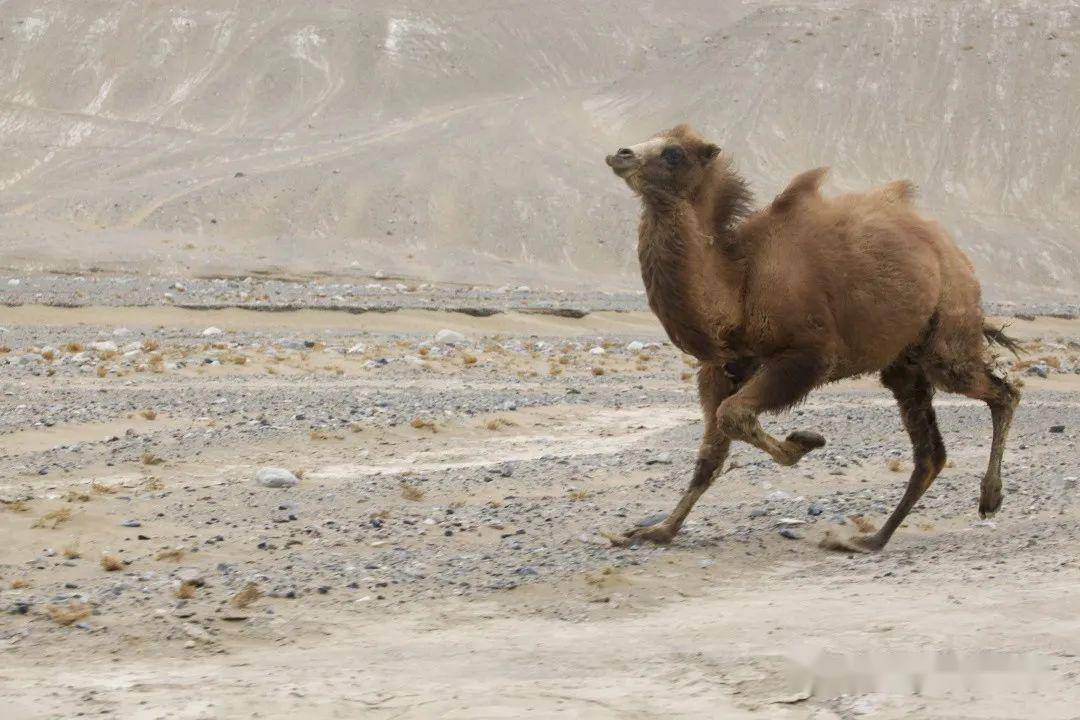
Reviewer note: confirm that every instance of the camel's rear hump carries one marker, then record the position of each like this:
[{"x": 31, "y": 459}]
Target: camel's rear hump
[{"x": 896, "y": 191}]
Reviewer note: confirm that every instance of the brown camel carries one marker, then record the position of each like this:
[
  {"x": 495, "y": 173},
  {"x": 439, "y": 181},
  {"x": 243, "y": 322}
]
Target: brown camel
[{"x": 807, "y": 291}]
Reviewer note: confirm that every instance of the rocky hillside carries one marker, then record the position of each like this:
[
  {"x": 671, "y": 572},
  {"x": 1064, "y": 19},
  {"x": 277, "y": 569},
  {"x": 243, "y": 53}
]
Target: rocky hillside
[{"x": 464, "y": 141}]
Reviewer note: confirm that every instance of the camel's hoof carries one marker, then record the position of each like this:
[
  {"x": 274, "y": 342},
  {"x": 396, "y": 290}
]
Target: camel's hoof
[
  {"x": 988, "y": 506},
  {"x": 807, "y": 439},
  {"x": 854, "y": 543},
  {"x": 798, "y": 444},
  {"x": 659, "y": 534}
]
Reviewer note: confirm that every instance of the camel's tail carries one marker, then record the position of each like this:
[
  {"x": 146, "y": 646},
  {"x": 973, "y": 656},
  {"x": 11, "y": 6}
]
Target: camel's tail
[{"x": 997, "y": 336}]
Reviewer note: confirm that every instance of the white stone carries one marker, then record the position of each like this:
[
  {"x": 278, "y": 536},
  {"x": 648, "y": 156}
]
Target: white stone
[
  {"x": 635, "y": 346},
  {"x": 210, "y": 331},
  {"x": 597, "y": 351},
  {"x": 104, "y": 346},
  {"x": 121, "y": 332},
  {"x": 356, "y": 349},
  {"x": 273, "y": 477},
  {"x": 451, "y": 337},
  {"x": 14, "y": 281},
  {"x": 379, "y": 275}
]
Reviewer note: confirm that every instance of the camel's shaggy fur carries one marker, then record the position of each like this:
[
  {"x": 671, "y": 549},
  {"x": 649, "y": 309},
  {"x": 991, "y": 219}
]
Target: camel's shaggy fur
[{"x": 806, "y": 291}]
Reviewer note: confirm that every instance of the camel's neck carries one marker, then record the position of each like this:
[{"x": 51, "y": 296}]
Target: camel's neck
[{"x": 692, "y": 285}]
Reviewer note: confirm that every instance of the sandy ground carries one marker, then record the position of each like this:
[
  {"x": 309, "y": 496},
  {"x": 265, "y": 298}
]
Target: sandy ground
[{"x": 440, "y": 556}]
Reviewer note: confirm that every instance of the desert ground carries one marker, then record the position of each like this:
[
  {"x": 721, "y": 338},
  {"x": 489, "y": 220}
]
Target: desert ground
[
  {"x": 325, "y": 367},
  {"x": 442, "y": 553}
]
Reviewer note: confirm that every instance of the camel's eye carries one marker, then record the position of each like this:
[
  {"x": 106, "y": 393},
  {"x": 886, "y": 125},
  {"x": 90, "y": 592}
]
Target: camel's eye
[{"x": 672, "y": 155}]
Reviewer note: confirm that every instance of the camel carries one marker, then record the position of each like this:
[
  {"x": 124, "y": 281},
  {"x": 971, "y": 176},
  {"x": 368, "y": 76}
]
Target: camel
[{"x": 807, "y": 291}]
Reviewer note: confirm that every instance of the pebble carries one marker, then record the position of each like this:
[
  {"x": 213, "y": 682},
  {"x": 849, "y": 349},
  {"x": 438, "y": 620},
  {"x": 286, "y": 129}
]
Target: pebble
[
  {"x": 1038, "y": 370},
  {"x": 131, "y": 523},
  {"x": 814, "y": 509},
  {"x": 663, "y": 458},
  {"x": 273, "y": 477},
  {"x": 635, "y": 346},
  {"x": 790, "y": 534},
  {"x": 449, "y": 337},
  {"x": 211, "y": 331},
  {"x": 1057, "y": 428},
  {"x": 651, "y": 520},
  {"x": 104, "y": 346}
]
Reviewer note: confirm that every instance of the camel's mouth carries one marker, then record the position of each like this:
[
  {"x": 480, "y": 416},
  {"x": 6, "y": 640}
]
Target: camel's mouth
[{"x": 623, "y": 166}]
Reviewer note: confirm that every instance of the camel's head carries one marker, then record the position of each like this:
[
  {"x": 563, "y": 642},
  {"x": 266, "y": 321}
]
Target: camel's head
[{"x": 673, "y": 162}]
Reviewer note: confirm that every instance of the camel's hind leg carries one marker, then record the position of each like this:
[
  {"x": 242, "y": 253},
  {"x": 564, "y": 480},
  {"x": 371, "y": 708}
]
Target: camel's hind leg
[
  {"x": 713, "y": 386},
  {"x": 779, "y": 383},
  {"x": 1002, "y": 397},
  {"x": 914, "y": 394}
]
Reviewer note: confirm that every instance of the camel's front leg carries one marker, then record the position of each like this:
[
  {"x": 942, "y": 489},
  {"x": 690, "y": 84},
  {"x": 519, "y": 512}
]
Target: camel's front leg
[
  {"x": 713, "y": 386},
  {"x": 779, "y": 383}
]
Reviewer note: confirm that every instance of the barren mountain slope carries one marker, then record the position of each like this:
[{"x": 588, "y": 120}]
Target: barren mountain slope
[{"x": 465, "y": 142}]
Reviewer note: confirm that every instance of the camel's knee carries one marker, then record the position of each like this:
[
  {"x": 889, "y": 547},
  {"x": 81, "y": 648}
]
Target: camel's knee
[{"x": 735, "y": 420}]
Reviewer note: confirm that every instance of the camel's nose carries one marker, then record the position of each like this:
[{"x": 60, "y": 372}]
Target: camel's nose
[{"x": 625, "y": 153}]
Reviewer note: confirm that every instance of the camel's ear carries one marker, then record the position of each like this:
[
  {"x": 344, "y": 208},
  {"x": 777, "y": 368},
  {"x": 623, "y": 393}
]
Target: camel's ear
[{"x": 708, "y": 153}]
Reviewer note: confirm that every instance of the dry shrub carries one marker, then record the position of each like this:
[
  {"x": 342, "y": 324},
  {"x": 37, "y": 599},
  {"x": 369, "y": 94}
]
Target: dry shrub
[
  {"x": 153, "y": 484},
  {"x": 19, "y": 583},
  {"x": 149, "y": 458},
  {"x": 171, "y": 554},
  {"x": 497, "y": 423},
  {"x": 72, "y": 551},
  {"x": 554, "y": 370},
  {"x": 111, "y": 563},
  {"x": 422, "y": 352},
  {"x": 149, "y": 346},
  {"x": 411, "y": 492},
  {"x": 318, "y": 435},
  {"x": 73, "y": 347},
  {"x": 686, "y": 376},
  {"x": 53, "y": 520},
  {"x": 68, "y": 614},
  {"x": 862, "y": 524},
  {"x": 356, "y": 427},
  {"x": 421, "y": 424},
  {"x": 299, "y": 472},
  {"x": 578, "y": 495},
  {"x": 48, "y": 355},
  {"x": 102, "y": 371},
  {"x": 895, "y": 465},
  {"x": 4, "y": 349},
  {"x": 149, "y": 414},
  {"x": 597, "y": 370},
  {"x": 76, "y": 496},
  {"x": 17, "y": 506},
  {"x": 245, "y": 597},
  {"x": 186, "y": 590},
  {"x": 468, "y": 359},
  {"x": 101, "y": 488}
]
